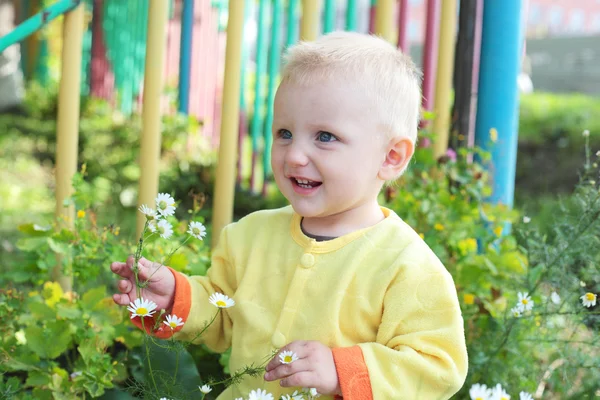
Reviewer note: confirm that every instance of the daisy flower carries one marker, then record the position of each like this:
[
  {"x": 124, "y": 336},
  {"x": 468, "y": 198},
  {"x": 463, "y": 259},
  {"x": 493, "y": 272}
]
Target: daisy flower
[
  {"x": 221, "y": 301},
  {"x": 525, "y": 396},
  {"x": 152, "y": 226},
  {"x": 150, "y": 213},
  {"x": 293, "y": 396},
  {"x": 197, "y": 230},
  {"x": 480, "y": 392},
  {"x": 260, "y": 394},
  {"x": 526, "y": 219},
  {"x": 165, "y": 230},
  {"x": 589, "y": 299},
  {"x": 142, "y": 308},
  {"x": 525, "y": 302},
  {"x": 287, "y": 357},
  {"x": 205, "y": 389},
  {"x": 165, "y": 204},
  {"x": 312, "y": 393},
  {"x": 555, "y": 298},
  {"x": 516, "y": 311},
  {"x": 173, "y": 321},
  {"x": 498, "y": 393}
]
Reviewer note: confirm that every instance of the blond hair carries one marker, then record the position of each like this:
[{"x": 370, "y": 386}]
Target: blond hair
[{"x": 390, "y": 80}]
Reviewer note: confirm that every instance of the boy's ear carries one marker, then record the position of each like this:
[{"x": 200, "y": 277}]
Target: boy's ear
[{"x": 399, "y": 153}]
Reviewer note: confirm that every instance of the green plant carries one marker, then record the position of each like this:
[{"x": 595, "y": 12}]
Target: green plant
[{"x": 497, "y": 258}]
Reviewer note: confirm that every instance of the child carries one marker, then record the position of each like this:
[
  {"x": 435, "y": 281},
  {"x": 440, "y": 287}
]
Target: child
[{"x": 342, "y": 282}]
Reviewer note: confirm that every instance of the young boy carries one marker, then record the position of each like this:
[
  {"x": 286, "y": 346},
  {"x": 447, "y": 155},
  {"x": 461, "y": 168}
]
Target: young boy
[{"x": 342, "y": 282}]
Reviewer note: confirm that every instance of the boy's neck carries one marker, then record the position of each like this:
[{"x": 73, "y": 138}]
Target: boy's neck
[{"x": 345, "y": 222}]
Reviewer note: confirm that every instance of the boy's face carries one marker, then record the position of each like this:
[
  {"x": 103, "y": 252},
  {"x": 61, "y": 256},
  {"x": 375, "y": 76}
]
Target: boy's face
[{"x": 326, "y": 152}]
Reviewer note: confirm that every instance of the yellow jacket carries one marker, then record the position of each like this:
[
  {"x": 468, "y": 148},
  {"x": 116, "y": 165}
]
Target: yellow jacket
[{"x": 378, "y": 297}]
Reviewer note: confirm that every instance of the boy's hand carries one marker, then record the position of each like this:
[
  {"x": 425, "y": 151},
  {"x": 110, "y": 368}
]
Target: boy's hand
[
  {"x": 160, "y": 287},
  {"x": 314, "y": 368}
]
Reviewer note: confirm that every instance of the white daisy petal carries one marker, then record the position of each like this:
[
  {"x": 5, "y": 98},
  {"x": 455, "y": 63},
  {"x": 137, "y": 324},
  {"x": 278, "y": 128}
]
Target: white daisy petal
[
  {"x": 221, "y": 301},
  {"x": 516, "y": 311},
  {"x": 173, "y": 321},
  {"x": 525, "y": 303},
  {"x": 165, "y": 204},
  {"x": 480, "y": 392},
  {"x": 205, "y": 389},
  {"x": 148, "y": 212},
  {"x": 498, "y": 393},
  {"x": 260, "y": 394},
  {"x": 589, "y": 299},
  {"x": 197, "y": 230},
  {"x": 555, "y": 298},
  {"x": 142, "y": 308},
  {"x": 287, "y": 357},
  {"x": 164, "y": 229},
  {"x": 525, "y": 396}
]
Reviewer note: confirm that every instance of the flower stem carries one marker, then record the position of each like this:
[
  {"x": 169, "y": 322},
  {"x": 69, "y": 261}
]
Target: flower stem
[{"x": 148, "y": 358}]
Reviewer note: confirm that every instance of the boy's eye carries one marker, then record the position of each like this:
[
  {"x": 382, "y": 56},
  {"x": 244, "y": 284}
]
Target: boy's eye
[
  {"x": 326, "y": 137},
  {"x": 284, "y": 134}
]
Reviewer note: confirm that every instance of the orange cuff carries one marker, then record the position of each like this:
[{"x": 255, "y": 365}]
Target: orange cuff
[
  {"x": 181, "y": 308},
  {"x": 352, "y": 373}
]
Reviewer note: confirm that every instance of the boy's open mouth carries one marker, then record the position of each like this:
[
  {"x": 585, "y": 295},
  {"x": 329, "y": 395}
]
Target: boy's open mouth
[{"x": 305, "y": 183}]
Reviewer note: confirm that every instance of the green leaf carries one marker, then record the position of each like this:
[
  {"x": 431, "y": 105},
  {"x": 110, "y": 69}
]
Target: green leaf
[
  {"x": 32, "y": 244},
  {"x": 37, "y": 378},
  {"x": 88, "y": 350},
  {"x": 68, "y": 311},
  {"x": 58, "y": 247},
  {"x": 37, "y": 339},
  {"x": 35, "y": 229},
  {"x": 41, "y": 310},
  {"x": 92, "y": 297}
]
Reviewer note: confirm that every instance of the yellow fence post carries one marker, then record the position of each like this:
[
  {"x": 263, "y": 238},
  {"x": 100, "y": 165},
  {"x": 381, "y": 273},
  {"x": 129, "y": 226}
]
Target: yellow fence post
[
  {"x": 227, "y": 162},
  {"x": 384, "y": 20},
  {"x": 151, "y": 113},
  {"x": 443, "y": 82},
  {"x": 67, "y": 132},
  {"x": 309, "y": 26}
]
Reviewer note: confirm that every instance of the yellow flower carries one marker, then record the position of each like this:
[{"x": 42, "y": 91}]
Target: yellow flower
[
  {"x": 494, "y": 135},
  {"x": 467, "y": 246},
  {"x": 498, "y": 231},
  {"x": 469, "y": 298},
  {"x": 438, "y": 227},
  {"x": 52, "y": 293},
  {"x": 80, "y": 214}
]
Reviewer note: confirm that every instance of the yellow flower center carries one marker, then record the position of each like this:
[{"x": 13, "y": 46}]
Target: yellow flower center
[
  {"x": 162, "y": 205},
  {"x": 469, "y": 298},
  {"x": 478, "y": 398},
  {"x": 142, "y": 311},
  {"x": 196, "y": 231},
  {"x": 221, "y": 303},
  {"x": 590, "y": 296},
  {"x": 173, "y": 324},
  {"x": 288, "y": 359},
  {"x": 524, "y": 301},
  {"x": 504, "y": 398}
]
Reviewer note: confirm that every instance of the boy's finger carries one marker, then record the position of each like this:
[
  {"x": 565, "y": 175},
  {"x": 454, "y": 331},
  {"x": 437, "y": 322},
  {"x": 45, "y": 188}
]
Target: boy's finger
[
  {"x": 121, "y": 269},
  {"x": 284, "y": 370},
  {"x": 121, "y": 299},
  {"x": 124, "y": 286},
  {"x": 295, "y": 347}
]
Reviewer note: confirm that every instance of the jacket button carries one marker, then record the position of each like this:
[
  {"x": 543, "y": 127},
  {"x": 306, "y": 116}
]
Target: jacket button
[{"x": 307, "y": 260}]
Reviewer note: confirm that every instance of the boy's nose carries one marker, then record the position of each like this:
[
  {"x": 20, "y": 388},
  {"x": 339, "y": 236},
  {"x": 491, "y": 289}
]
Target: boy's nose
[{"x": 295, "y": 156}]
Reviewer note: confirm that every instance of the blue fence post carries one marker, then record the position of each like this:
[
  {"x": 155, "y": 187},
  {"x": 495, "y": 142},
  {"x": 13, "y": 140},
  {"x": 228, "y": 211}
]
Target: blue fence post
[
  {"x": 185, "y": 56},
  {"x": 496, "y": 129}
]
